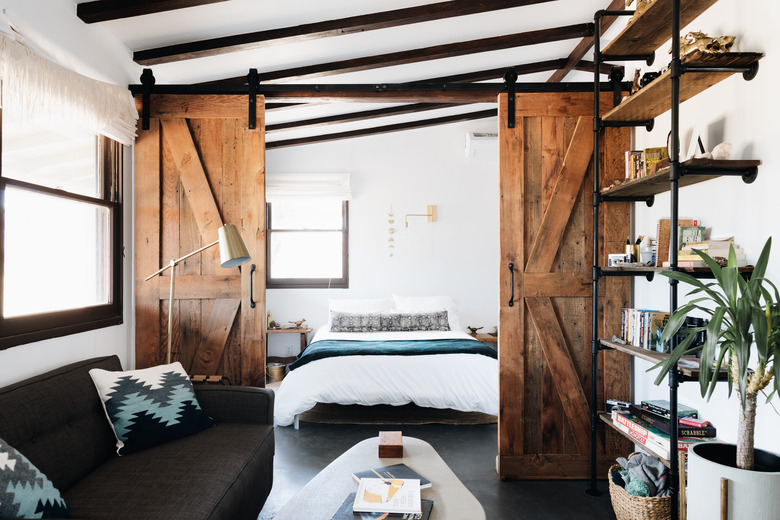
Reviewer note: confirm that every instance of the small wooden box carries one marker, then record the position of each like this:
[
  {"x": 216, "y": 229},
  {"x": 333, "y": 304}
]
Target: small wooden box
[{"x": 391, "y": 445}]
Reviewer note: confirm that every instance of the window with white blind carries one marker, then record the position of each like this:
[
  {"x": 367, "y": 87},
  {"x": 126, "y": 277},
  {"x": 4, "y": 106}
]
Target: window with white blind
[{"x": 307, "y": 231}]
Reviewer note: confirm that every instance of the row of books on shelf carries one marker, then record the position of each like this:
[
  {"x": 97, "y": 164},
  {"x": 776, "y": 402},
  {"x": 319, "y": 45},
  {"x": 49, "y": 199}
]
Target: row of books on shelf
[
  {"x": 649, "y": 425},
  {"x": 643, "y": 327},
  {"x": 640, "y": 163},
  {"x": 386, "y": 492}
]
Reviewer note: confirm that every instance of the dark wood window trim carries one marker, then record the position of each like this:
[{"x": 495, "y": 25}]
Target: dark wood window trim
[
  {"x": 27, "y": 329},
  {"x": 309, "y": 283}
]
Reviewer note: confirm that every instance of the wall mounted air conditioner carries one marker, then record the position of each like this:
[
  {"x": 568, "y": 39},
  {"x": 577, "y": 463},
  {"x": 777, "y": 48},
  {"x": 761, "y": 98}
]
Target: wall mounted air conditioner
[{"x": 482, "y": 146}]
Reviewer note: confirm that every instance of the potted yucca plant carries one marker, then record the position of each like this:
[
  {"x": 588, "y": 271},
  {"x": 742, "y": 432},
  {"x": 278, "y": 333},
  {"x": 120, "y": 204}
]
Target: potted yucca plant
[{"x": 744, "y": 318}]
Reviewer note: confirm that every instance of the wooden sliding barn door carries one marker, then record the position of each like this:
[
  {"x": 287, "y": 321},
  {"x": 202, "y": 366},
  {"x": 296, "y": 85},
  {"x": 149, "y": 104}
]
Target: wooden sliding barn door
[
  {"x": 546, "y": 214},
  {"x": 199, "y": 167}
]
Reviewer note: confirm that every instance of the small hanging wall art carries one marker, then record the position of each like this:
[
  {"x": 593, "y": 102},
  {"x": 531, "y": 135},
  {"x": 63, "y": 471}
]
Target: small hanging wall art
[{"x": 390, "y": 231}]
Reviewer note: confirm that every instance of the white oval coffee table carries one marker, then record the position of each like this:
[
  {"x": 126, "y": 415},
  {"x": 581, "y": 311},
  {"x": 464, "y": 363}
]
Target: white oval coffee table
[{"x": 323, "y": 495}]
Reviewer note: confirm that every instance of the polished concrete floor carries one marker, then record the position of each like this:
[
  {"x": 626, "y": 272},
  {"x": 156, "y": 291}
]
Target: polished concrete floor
[{"x": 469, "y": 450}]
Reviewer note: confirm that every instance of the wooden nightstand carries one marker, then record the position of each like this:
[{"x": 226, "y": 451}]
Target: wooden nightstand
[
  {"x": 485, "y": 338},
  {"x": 293, "y": 330}
]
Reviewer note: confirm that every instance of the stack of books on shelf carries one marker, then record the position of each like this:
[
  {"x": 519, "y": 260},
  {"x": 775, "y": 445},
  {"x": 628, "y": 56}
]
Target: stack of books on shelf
[
  {"x": 649, "y": 425},
  {"x": 686, "y": 257},
  {"x": 640, "y": 163},
  {"x": 663, "y": 235},
  {"x": 386, "y": 492},
  {"x": 643, "y": 327}
]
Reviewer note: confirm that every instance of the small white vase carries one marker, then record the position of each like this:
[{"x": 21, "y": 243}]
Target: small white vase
[{"x": 752, "y": 495}]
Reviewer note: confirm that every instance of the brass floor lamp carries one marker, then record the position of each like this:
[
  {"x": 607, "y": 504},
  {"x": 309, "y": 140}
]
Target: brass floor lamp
[{"x": 232, "y": 253}]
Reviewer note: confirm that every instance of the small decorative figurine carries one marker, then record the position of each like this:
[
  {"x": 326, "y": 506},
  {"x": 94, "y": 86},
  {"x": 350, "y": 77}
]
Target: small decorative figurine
[
  {"x": 702, "y": 42},
  {"x": 474, "y": 329},
  {"x": 641, "y": 5},
  {"x": 298, "y": 323}
]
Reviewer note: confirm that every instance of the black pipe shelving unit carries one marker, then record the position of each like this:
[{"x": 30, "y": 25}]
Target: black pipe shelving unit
[{"x": 682, "y": 80}]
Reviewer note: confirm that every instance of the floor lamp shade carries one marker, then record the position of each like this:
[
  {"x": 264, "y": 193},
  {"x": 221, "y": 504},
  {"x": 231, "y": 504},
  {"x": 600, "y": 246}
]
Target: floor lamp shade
[{"x": 232, "y": 250}]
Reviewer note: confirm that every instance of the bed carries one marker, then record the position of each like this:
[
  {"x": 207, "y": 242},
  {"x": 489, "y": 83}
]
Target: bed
[{"x": 437, "y": 367}]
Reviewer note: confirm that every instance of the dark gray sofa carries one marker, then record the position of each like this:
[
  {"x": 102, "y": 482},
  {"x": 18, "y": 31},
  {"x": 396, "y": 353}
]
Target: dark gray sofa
[{"x": 224, "y": 472}]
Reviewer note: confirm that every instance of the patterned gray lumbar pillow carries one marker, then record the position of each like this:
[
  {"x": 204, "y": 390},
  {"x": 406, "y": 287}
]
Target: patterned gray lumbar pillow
[
  {"x": 149, "y": 406},
  {"x": 25, "y": 492},
  {"x": 393, "y": 322}
]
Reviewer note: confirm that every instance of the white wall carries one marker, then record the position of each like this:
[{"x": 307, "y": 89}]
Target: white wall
[
  {"x": 51, "y": 27},
  {"x": 456, "y": 256},
  {"x": 747, "y": 115}
]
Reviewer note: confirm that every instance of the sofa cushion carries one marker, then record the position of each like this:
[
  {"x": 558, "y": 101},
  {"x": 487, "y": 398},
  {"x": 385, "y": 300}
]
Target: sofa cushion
[
  {"x": 57, "y": 420},
  {"x": 25, "y": 492},
  {"x": 149, "y": 406},
  {"x": 222, "y": 472}
]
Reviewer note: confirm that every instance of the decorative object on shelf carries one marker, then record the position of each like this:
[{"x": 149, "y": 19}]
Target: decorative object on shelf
[
  {"x": 702, "y": 42},
  {"x": 495, "y": 331},
  {"x": 648, "y": 78},
  {"x": 641, "y": 5},
  {"x": 637, "y": 83},
  {"x": 430, "y": 212},
  {"x": 473, "y": 330},
  {"x": 742, "y": 313},
  {"x": 232, "y": 253},
  {"x": 273, "y": 325},
  {"x": 722, "y": 152},
  {"x": 298, "y": 323}
]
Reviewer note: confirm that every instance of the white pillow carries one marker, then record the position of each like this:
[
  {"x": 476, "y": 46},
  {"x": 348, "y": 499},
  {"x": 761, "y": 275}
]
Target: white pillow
[
  {"x": 428, "y": 304},
  {"x": 361, "y": 306}
]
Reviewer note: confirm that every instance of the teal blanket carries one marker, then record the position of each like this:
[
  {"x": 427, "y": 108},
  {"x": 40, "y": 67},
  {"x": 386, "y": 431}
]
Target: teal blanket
[{"x": 332, "y": 348}]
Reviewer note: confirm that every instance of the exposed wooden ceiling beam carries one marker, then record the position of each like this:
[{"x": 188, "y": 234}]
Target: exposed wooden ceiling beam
[
  {"x": 586, "y": 43},
  {"x": 484, "y": 75},
  {"x": 310, "y": 31},
  {"x": 469, "y": 116},
  {"x": 104, "y": 10},
  {"x": 423, "y": 54},
  {"x": 356, "y": 116}
]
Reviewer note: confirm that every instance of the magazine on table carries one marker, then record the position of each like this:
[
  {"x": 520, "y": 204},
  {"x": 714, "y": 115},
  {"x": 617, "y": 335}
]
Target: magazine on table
[
  {"x": 345, "y": 512},
  {"x": 395, "y": 471},
  {"x": 384, "y": 495}
]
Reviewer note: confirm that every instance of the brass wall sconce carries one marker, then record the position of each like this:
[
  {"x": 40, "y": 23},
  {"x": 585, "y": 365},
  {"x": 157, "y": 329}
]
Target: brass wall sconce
[{"x": 430, "y": 213}]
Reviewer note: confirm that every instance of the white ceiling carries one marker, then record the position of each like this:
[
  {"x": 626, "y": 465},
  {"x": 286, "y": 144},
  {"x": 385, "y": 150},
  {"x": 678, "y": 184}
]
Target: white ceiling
[{"x": 244, "y": 16}]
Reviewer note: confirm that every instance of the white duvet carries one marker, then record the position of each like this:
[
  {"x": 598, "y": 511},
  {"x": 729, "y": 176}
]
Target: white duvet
[{"x": 464, "y": 382}]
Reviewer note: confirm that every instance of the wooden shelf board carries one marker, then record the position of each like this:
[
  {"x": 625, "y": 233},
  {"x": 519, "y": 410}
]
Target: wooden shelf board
[
  {"x": 652, "y": 356},
  {"x": 648, "y": 31},
  {"x": 606, "y": 418},
  {"x": 699, "y": 272},
  {"x": 655, "y": 99},
  {"x": 658, "y": 182}
]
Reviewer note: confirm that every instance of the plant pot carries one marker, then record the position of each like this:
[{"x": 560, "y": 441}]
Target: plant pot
[{"x": 751, "y": 494}]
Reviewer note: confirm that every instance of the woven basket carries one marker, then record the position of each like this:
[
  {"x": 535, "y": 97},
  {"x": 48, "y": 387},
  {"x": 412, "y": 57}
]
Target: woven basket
[
  {"x": 630, "y": 507},
  {"x": 276, "y": 371}
]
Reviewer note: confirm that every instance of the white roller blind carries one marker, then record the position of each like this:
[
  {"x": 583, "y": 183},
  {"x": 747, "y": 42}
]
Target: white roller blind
[
  {"x": 281, "y": 186},
  {"x": 38, "y": 89}
]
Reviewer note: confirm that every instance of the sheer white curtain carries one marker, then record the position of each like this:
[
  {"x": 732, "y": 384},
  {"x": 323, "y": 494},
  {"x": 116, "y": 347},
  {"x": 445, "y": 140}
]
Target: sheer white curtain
[
  {"x": 35, "y": 88},
  {"x": 281, "y": 186}
]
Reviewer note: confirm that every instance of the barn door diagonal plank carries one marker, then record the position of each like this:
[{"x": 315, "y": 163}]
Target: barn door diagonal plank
[
  {"x": 215, "y": 336},
  {"x": 556, "y": 216},
  {"x": 193, "y": 177},
  {"x": 563, "y": 371}
]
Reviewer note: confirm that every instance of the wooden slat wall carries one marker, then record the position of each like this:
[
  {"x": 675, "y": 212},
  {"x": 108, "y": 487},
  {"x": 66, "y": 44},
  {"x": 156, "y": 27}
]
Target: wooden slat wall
[{"x": 544, "y": 339}]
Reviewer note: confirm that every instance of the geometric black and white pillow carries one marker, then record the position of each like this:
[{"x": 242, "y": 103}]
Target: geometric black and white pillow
[
  {"x": 25, "y": 492},
  {"x": 149, "y": 406}
]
